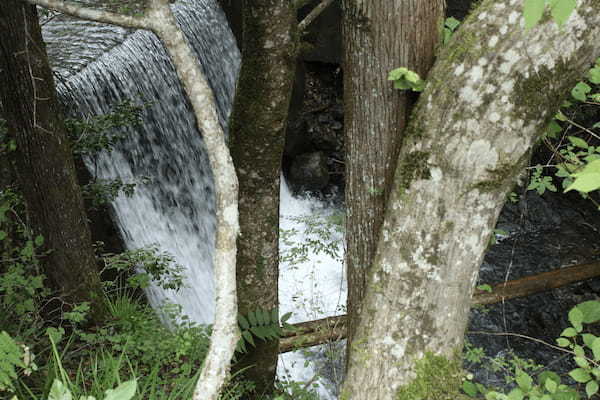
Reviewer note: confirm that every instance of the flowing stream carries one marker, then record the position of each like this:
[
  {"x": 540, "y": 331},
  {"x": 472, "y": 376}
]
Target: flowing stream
[{"x": 172, "y": 206}]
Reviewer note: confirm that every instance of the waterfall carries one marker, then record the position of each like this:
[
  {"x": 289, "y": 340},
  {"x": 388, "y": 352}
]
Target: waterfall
[{"x": 174, "y": 208}]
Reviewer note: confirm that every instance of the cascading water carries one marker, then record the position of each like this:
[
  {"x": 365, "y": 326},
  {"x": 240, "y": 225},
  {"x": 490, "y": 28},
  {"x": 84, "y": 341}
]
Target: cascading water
[{"x": 175, "y": 208}]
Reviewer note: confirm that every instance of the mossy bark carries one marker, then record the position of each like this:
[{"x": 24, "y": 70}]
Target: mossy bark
[
  {"x": 489, "y": 96},
  {"x": 43, "y": 160},
  {"x": 380, "y": 35},
  {"x": 257, "y": 129}
]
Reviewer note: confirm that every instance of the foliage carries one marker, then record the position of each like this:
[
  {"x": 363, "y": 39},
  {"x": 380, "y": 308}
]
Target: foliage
[
  {"x": 450, "y": 26},
  {"x": 584, "y": 348},
  {"x": 133, "y": 342},
  {"x": 560, "y": 11},
  {"x": 143, "y": 265},
  {"x": 405, "y": 79},
  {"x": 577, "y": 153},
  {"x": 102, "y": 132},
  {"x": 262, "y": 324},
  {"x": 99, "y": 133},
  {"x": 322, "y": 236}
]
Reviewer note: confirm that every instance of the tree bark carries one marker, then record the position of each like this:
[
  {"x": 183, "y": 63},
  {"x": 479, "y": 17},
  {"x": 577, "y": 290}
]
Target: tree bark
[
  {"x": 43, "y": 159},
  {"x": 379, "y": 36},
  {"x": 257, "y": 131},
  {"x": 491, "y": 93}
]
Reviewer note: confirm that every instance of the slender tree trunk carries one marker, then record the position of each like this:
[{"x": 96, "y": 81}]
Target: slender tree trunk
[
  {"x": 379, "y": 36},
  {"x": 43, "y": 159},
  {"x": 257, "y": 130},
  {"x": 491, "y": 93}
]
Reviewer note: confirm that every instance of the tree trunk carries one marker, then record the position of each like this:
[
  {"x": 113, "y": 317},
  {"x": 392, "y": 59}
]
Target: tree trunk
[
  {"x": 257, "y": 130},
  {"x": 491, "y": 93},
  {"x": 379, "y": 36},
  {"x": 43, "y": 159}
]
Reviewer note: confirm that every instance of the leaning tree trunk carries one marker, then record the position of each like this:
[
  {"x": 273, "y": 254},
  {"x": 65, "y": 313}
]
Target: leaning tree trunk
[
  {"x": 489, "y": 96},
  {"x": 257, "y": 130},
  {"x": 43, "y": 159},
  {"x": 380, "y": 35}
]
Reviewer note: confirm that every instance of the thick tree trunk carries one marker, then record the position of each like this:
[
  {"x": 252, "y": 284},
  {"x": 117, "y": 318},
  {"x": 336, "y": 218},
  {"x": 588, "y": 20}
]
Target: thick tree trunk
[
  {"x": 43, "y": 160},
  {"x": 491, "y": 93},
  {"x": 379, "y": 36},
  {"x": 257, "y": 130}
]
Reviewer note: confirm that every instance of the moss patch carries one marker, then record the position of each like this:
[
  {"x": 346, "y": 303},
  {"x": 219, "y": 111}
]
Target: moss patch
[
  {"x": 413, "y": 166},
  {"x": 437, "y": 379}
]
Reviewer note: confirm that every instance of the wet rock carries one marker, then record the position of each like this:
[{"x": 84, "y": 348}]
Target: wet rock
[{"x": 309, "y": 171}]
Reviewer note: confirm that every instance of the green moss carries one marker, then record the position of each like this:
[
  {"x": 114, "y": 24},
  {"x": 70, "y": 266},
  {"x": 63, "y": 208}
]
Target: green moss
[
  {"x": 437, "y": 379},
  {"x": 413, "y": 166},
  {"x": 502, "y": 176}
]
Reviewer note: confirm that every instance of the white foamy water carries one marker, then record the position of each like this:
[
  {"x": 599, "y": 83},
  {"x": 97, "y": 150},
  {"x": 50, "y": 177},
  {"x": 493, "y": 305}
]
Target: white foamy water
[{"x": 313, "y": 288}]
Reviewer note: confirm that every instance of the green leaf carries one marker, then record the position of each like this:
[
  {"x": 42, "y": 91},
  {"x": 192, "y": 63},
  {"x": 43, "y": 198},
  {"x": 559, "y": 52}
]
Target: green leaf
[
  {"x": 275, "y": 316},
  {"x": 591, "y": 388},
  {"x": 485, "y": 288},
  {"x": 585, "y": 182},
  {"x": 580, "y": 375},
  {"x": 549, "y": 375},
  {"x": 560, "y": 116},
  {"x": 412, "y": 77},
  {"x": 401, "y": 85},
  {"x": 524, "y": 380},
  {"x": 575, "y": 317},
  {"x": 243, "y": 322},
  {"x": 561, "y": 10},
  {"x": 260, "y": 317},
  {"x": 581, "y": 362},
  {"x": 550, "y": 385},
  {"x": 596, "y": 349},
  {"x": 588, "y": 339},
  {"x": 469, "y": 388},
  {"x": 125, "y": 391},
  {"x": 397, "y": 73},
  {"x": 569, "y": 332},
  {"x": 59, "y": 391},
  {"x": 532, "y": 12},
  {"x": 516, "y": 394},
  {"x": 286, "y": 317},
  {"x": 3, "y": 235},
  {"x": 39, "y": 240},
  {"x": 594, "y": 75},
  {"x": 452, "y": 23},
  {"x": 579, "y": 142},
  {"x": 252, "y": 318},
  {"x": 580, "y": 91},
  {"x": 591, "y": 308},
  {"x": 562, "y": 342},
  {"x": 248, "y": 338},
  {"x": 257, "y": 332},
  {"x": 553, "y": 129}
]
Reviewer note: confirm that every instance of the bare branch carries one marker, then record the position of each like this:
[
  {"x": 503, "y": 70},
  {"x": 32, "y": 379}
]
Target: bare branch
[
  {"x": 314, "y": 14},
  {"x": 92, "y": 14}
]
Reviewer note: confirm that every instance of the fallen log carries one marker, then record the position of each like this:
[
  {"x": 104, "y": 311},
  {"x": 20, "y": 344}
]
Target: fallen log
[
  {"x": 311, "y": 333},
  {"x": 537, "y": 283}
]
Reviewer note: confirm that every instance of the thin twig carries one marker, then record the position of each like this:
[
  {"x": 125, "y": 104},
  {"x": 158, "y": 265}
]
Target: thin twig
[
  {"x": 562, "y": 349},
  {"x": 313, "y": 14}
]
